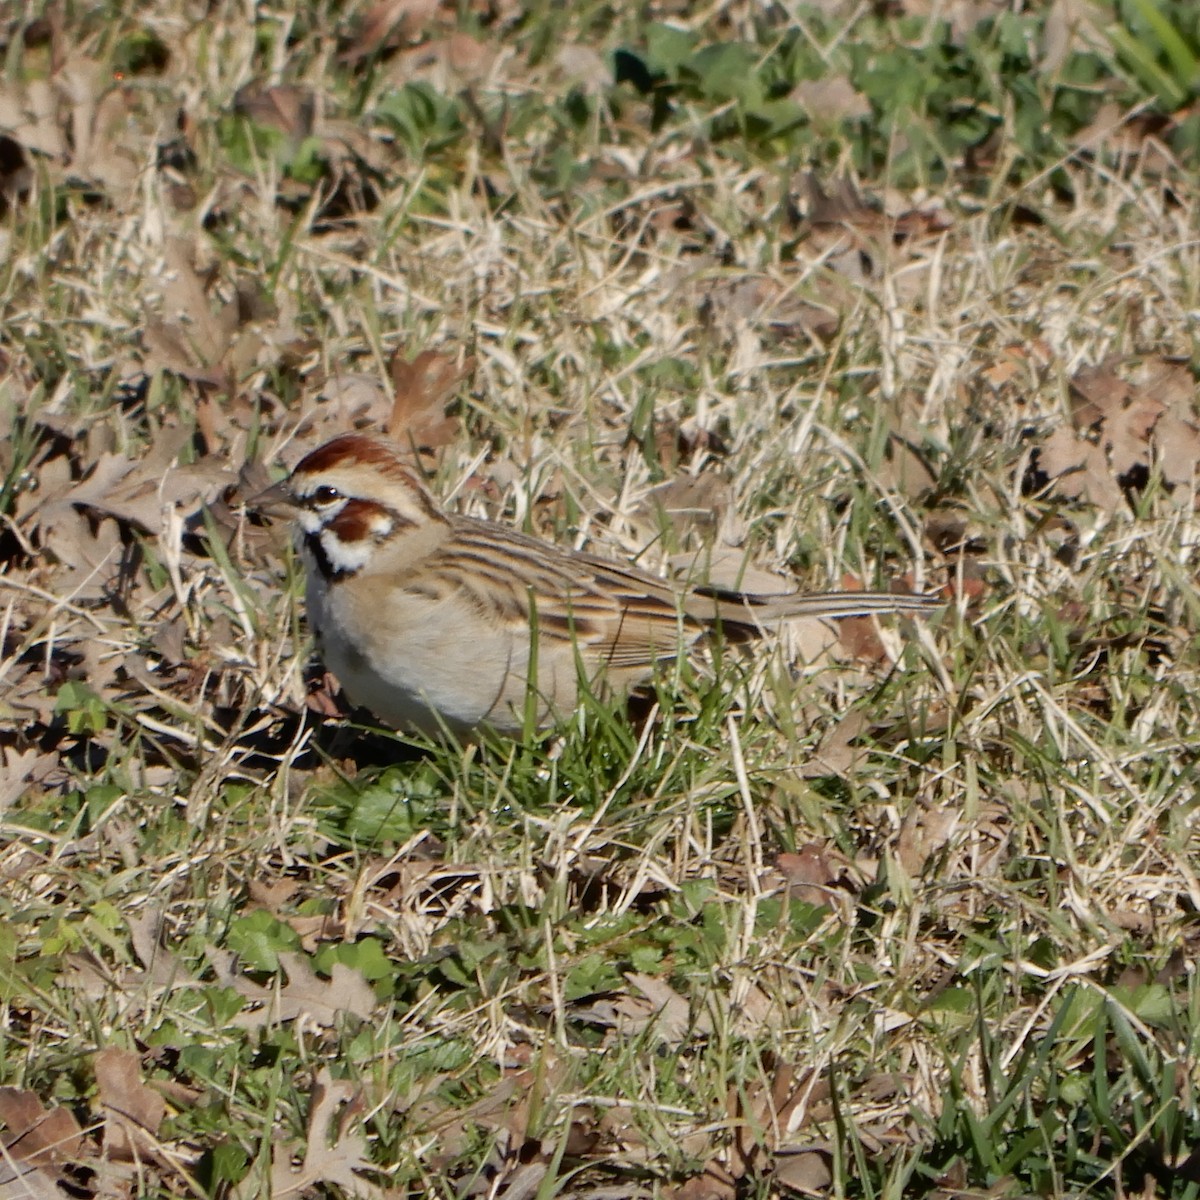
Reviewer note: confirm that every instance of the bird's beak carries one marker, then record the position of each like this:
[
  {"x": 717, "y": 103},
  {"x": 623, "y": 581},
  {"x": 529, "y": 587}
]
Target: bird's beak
[{"x": 275, "y": 501}]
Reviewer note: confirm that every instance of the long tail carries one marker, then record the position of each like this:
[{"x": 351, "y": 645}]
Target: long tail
[{"x": 749, "y": 607}]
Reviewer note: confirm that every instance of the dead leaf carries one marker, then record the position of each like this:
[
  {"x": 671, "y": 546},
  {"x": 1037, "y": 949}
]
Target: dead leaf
[
  {"x": 304, "y": 995},
  {"x": 1129, "y": 135},
  {"x": 905, "y": 469},
  {"x": 812, "y": 872},
  {"x": 1121, "y": 430},
  {"x": 30, "y": 116},
  {"x": 272, "y": 896},
  {"x": 730, "y": 304},
  {"x": 19, "y": 1182},
  {"x": 423, "y": 387},
  {"x": 36, "y": 1135},
  {"x": 924, "y": 832},
  {"x": 206, "y": 342},
  {"x": 659, "y": 1009},
  {"x": 286, "y": 108},
  {"x": 582, "y": 65},
  {"x": 807, "y": 1171},
  {"x": 715, "y": 1183},
  {"x": 331, "y": 1153},
  {"x": 386, "y": 25},
  {"x": 1079, "y": 468},
  {"x": 99, "y": 114},
  {"x": 725, "y": 566},
  {"x": 1097, "y": 394},
  {"x": 683, "y": 504},
  {"x": 163, "y": 968},
  {"x": 19, "y": 770},
  {"x": 831, "y": 98},
  {"x": 670, "y": 1016},
  {"x": 841, "y": 205},
  {"x": 132, "y": 1111},
  {"x": 836, "y": 752},
  {"x": 468, "y": 57}
]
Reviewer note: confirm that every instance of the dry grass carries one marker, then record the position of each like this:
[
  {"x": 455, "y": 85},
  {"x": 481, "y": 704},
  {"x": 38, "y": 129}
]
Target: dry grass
[{"x": 887, "y": 912}]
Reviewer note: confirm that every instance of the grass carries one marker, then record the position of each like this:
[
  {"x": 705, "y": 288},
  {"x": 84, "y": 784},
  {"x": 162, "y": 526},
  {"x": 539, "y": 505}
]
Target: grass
[{"x": 897, "y": 912}]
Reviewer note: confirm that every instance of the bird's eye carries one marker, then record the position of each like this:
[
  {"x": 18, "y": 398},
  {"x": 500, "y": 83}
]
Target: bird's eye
[{"x": 326, "y": 495}]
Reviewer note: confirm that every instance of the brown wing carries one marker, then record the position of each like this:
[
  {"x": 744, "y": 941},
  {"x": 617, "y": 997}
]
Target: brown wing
[
  {"x": 621, "y": 615},
  {"x": 618, "y": 615}
]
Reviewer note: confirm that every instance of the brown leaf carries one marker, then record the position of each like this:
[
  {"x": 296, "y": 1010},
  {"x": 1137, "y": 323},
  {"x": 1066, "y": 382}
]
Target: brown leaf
[
  {"x": 423, "y": 387},
  {"x": 923, "y": 834},
  {"x": 19, "y": 769},
  {"x": 760, "y": 1117},
  {"x": 387, "y": 24},
  {"x": 1097, "y": 395},
  {"x": 582, "y": 65},
  {"x": 303, "y": 995},
  {"x": 332, "y": 1154},
  {"x": 29, "y": 115},
  {"x": 1122, "y": 429},
  {"x": 1128, "y": 435},
  {"x": 99, "y": 117},
  {"x": 1178, "y": 449},
  {"x": 37, "y": 1135},
  {"x": 841, "y": 205},
  {"x": 836, "y": 752},
  {"x": 468, "y": 57},
  {"x": 285, "y": 107},
  {"x": 831, "y": 98},
  {"x": 671, "y": 1017},
  {"x": 272, "y": 896},
  {"x": 811, "y": 872},
  {"x": 860, "y": 636},
  {"x": 209, "y": 342},
  {"x": 19, "y": 1182},
  {"x": 1129, "y": 134},
  {"x": 132, "y": 1111},
  {"x": 714, "y": 1184},
  {"x": 1079, "y": 469},
  {"x": 683, "y": 504},
  {"x": 162, "y": 967},
  {"x": 807, "y": 1171},
  {"x": 324, "y": 697},
  {"x": 348, "y": 400},
  {"x": 906, "y": 470}
]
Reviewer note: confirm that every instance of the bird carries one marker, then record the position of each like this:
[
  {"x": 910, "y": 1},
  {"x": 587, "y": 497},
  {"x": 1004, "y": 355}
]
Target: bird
[{"x": 438, "y": 622}]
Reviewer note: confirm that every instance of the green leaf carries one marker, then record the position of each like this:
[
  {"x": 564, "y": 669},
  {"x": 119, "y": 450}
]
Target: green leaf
[
  {"x": 422, "y": 116},
  {"x": 729, "y": 71},
  {"x": 258, "y": 937},
  {"x": 86, "y": 713},
  {"x": 1142, "y": 60},
  {"x": 667, "y": 48},
  {"x": 227, "y": 1162},
  {"x": 366, "y": 956},
  {"x": 1181, "y": 56}
]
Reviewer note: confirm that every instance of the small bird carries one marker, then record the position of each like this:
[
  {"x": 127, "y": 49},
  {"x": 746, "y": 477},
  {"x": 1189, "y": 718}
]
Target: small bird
[{"x": 431, "y": 620}]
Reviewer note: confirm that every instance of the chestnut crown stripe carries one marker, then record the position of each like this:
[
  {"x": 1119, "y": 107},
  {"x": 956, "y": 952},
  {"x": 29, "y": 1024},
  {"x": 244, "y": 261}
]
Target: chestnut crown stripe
[{"x": 350, "y": 449}]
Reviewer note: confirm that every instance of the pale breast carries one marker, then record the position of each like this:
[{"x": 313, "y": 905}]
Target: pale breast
[{"x": 406, "y": 657}]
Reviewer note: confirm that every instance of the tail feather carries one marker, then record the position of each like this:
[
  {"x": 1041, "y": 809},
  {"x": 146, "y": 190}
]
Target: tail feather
[{"x": 750, "y": 609}]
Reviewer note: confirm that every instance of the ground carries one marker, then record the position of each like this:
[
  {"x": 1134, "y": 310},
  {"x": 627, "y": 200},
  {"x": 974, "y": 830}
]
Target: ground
[{"x": 884, "y": 296}]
